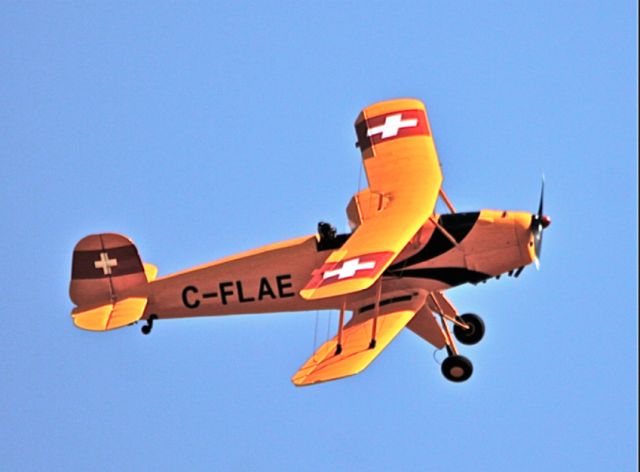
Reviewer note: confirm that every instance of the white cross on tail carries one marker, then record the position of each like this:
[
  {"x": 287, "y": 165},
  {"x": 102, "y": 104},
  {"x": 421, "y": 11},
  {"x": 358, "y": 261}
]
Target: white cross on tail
[{"x": 105, "y": 263}]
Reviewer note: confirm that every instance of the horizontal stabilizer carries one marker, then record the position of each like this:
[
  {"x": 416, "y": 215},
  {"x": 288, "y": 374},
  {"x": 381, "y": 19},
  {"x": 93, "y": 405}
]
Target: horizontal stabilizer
[
  {"x": 150, "y": 271},
  {"x": 110, "y": 316}
]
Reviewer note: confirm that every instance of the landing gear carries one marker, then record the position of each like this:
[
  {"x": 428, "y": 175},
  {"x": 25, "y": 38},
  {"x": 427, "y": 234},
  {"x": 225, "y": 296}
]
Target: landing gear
[
  {"x": 457, "y": 368},
  {"x": 468, "y": 329},
  {"x": 146, "y": 329},
  {"x": 475, "y": 331}
]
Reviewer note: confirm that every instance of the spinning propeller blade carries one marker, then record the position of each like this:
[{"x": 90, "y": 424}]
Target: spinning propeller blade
[{"x": 539, "y": 222}]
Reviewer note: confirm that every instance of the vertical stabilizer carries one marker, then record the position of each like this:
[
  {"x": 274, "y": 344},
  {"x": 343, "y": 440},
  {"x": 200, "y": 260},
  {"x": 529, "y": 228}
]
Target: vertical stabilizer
[{"x": 104, "y": 265}]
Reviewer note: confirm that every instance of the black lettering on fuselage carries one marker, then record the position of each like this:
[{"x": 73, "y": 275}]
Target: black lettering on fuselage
[
  {"x": 265, "y": 289},
  {"x": 185, "y": 297},
  {"x": 224, "y": 293},
  {"x": 282, "y": 285},
  {"x": 241, "y": 296},
  {"x": 192, "y": 297}
]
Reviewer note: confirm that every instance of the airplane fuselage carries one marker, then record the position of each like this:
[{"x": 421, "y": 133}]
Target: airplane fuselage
[{"x": 473, "y": 247}]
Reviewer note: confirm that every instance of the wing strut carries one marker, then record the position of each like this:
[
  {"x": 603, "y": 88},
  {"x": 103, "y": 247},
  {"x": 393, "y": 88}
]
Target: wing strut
[
  {"x": 444, "y": 231},
  {"x": 341, "y": 327},
  {"x": 446, "y": 201},
  {"x": 374, "y": 329}
]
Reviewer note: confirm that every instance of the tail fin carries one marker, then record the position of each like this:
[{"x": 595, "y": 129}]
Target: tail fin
[{"x": 103, "y": 267}]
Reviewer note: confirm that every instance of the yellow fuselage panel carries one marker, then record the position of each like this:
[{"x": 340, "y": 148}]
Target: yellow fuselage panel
[{"x": 500, "y": 241}]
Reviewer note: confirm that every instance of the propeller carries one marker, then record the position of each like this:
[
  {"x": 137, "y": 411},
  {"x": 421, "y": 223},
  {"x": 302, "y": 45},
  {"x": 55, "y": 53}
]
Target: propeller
[{"x": 539, "y": 222}]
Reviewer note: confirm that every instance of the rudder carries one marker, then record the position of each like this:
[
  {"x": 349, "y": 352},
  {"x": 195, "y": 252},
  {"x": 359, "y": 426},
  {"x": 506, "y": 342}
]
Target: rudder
[{"x": 103, "y": 266}]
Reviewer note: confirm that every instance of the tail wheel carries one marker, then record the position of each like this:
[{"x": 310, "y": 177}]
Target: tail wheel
[
  {"x": 457, "y": 368},
  {"x": 474, "y": 333},
  {"x": 146, "y": 329}
]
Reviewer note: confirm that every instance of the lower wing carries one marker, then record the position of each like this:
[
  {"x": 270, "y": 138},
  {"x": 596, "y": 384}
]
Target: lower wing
[{"x": 390, "y": 316}]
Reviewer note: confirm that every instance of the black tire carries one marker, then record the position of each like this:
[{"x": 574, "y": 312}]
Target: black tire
[
  {"x": 146, "y": 329},
  {"x": 474, "y": 334},
  {"x": 457, "y": 368}
]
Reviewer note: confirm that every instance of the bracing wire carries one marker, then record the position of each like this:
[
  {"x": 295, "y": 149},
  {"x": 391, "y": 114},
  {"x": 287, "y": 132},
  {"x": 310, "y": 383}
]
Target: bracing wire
[{"x": 315, "y": 332}]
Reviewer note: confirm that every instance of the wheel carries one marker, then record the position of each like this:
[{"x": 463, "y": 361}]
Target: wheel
[
  {"x": 475, "y": 332},
  {"x": 457, "y": 368},
  {"x": 146, "y": 329}
]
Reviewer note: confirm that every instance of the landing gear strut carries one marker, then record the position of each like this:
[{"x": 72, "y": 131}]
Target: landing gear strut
[
  {"x": 146, "y": 329},
  {"x": 455, "y": 367},
  {"x": 468, "y": 329}
]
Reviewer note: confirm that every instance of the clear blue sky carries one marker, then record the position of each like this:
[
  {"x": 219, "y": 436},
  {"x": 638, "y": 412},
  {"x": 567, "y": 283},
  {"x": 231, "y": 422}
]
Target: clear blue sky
[{"x": 203, "y": 129}]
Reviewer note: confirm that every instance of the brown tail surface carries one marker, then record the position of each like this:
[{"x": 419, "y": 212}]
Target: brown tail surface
[{"x": 103, "y": 266}]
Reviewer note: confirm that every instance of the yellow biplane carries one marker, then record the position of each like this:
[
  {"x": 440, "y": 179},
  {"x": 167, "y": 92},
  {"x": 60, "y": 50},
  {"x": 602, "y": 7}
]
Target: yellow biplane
[{"x": 390, "y": 272}]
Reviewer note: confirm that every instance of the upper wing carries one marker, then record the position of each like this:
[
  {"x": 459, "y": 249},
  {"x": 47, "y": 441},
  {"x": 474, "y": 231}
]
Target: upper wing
[
  {"x": 356, "y": 353},
  {"x": 404, "y": 177}
]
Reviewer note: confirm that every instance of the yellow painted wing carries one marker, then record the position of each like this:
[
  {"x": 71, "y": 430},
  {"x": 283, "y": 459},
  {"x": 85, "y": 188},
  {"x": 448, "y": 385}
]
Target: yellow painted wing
[
  {"x": 404, "y": 177},
  {"x": 356, "y": 354},
  {"x": 110, "y": 316}
]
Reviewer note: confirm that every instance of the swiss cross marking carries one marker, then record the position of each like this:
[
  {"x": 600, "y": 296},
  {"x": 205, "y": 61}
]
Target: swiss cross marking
[
  {"x": 105, "y": 263},
  {"x": 392, "y": 124},
  {"x": 349, "y": 269}
]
